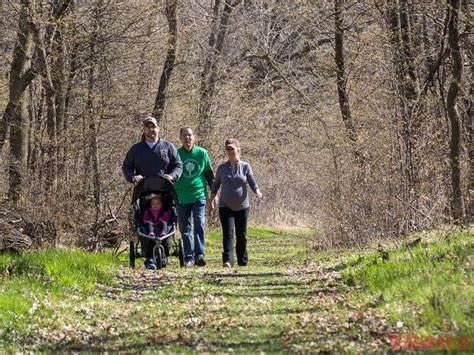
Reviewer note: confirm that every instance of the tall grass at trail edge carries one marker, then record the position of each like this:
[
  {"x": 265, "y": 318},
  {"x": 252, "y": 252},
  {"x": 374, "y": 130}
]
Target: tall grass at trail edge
[
  {"x": 428, "y": 287},
  {"x": 33, "y": 276}
]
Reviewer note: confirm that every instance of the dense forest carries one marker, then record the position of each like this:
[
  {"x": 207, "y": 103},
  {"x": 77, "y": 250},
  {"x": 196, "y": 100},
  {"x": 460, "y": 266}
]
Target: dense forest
[{"x": 356, "y": 115}]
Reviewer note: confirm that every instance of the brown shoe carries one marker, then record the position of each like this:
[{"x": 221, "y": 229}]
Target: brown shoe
[{"x": 226, "y": 264}]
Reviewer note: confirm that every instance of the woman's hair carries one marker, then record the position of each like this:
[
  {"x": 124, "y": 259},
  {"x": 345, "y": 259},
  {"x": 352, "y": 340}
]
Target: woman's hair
[{"x": 232, "y": 142}]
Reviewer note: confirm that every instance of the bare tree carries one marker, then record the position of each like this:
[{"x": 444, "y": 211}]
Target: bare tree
[
  {"x": 15, "y": 113},
  {"x": 341, "y": 78},
  {"x": 220, "y": 24},
  {"x": 22, "y": 73},
  {"x": 59, "y": 77},
  {"x": 169, "y": 61},
  {"x": 452, "y": 98},
  {"x": 263, "y": 70},
  {"x": 42, "y": 65},
  {"x": 469, "y": 113},
  {"x": 91, "y": 160},
  {"x": 403, "y": 57}
]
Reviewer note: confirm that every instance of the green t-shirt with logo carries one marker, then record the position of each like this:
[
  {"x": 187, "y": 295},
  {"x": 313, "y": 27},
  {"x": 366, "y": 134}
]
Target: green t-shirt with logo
[{"x": 191, "y": 186}]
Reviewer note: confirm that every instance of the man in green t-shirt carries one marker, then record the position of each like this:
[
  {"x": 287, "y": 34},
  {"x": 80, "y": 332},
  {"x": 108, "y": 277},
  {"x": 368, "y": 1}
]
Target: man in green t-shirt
[{"x": 192, "y": 196}]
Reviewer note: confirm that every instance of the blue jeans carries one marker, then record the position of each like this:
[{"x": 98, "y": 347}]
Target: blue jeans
[
  {"x": 230, "y": 221},
  {"x": 188, "y": 215}
]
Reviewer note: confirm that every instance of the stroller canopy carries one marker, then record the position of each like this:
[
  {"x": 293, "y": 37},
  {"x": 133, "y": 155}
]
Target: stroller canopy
[{"x": 154, "y": 184}]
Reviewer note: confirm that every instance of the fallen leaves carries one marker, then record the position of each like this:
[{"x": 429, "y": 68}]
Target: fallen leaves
[{"x": 294, "y": 307}]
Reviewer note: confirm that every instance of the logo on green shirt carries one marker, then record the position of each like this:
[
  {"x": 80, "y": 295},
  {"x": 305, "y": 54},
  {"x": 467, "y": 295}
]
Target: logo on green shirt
[{"x": 191, "y": 168}]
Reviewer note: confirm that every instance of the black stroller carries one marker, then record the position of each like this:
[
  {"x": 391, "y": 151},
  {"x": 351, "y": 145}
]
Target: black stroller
[{"x": 146, "y": 186}]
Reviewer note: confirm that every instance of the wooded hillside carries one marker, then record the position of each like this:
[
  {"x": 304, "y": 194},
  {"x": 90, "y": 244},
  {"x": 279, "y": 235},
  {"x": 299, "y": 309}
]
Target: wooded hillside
[{"x": 356, "y": 115}]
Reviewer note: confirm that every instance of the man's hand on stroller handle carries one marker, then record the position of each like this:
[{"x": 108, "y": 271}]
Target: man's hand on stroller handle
[{"x": 136, "y": 178}]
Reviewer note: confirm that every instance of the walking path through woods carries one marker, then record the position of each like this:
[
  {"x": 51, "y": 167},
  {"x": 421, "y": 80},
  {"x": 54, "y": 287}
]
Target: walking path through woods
[{"x": 280, "y": 302}]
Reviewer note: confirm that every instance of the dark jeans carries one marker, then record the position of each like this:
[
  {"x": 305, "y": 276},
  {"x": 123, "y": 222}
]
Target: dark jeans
[{"x": 229, "y": 220}]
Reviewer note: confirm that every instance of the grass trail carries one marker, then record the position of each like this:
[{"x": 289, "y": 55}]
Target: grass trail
[{"x": 287, "y": 299}]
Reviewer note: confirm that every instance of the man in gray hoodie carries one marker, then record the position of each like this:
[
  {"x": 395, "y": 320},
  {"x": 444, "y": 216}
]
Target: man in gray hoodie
[{"x": 151, "y": 156}]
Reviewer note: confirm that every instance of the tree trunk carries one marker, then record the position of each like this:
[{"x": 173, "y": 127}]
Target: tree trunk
[
  {"x": 209, "y": 73},
  {"x": 59, "y": 81},
  {"x": 18, "y": 151},
  {"x": 22, "y": 73},
  {"x": 410, "y": 94},
  {"x": 42, "y": 66},
  {"x": 469, "y": 117},
  {"x": 92, "y": 155},
  {"x": 72, "y": 71},
  {"x": 340, "y": 71},
  {"x": 407, "y": 87},
  {"x": 25, "y": 79},
  {"x": 411, "y": 82},
  {"x": 457, "y": 201},
  {"x": 93, "y": 145},
  {"x": 15, "y": 114},
  {"x": 160, "y": 100},
  {"x": 35, "y": 162}
]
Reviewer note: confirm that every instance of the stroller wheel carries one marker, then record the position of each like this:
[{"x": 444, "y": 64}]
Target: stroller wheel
[
  {"x": 181, "y": 252},
  {"x": 160, "y": 257},
  {"x": 131, "y": 255}
]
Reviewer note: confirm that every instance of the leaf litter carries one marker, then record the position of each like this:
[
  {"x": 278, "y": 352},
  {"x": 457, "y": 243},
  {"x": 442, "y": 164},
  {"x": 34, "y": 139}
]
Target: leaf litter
[{"x": 293, "y": 308}]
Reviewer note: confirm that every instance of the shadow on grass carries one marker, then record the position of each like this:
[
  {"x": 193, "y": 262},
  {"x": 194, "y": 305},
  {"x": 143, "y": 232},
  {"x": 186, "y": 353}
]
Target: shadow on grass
[
  {"x": 276, "y": 284},
  {"x": 156, "y": 280},
  {"x": 176, "y": 344},
  {"x": 246, "y": 274},
  {"x": 105, "y": 343},
  {"x": 272, "y": 343},
  {"x": 272, "y": 293},
  {"x": 229, "y": 284},
  {"x": 285, "y": 311}
]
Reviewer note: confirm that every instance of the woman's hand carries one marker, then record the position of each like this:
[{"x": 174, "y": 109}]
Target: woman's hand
[
  {"x": 210, "y": 210},
  {"x": 259, "y": 194},
  {"x": 212, "y": 204},
  {"x": 212, "y": 207}
]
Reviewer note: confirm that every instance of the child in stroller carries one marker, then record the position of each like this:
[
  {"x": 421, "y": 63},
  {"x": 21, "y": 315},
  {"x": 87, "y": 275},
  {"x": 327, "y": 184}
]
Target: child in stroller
[
  {"x": 155, "y": 217},
  {"x": 154, "y": 223}
]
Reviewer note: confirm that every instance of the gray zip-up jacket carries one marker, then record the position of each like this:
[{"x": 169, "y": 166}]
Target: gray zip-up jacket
[
  {"x": 234, "y": 185},
  {"x": 142, "y": 160}
]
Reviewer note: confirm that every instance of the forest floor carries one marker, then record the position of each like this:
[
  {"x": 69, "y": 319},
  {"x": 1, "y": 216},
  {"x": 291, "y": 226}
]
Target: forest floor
[{"x": 288, "y": 299}]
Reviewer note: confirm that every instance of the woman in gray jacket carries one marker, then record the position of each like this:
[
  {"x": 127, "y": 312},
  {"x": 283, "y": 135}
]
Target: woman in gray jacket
[{"x": 232, "y": 178}]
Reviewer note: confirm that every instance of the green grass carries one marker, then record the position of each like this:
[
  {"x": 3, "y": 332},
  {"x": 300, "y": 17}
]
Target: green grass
[
  {"x": 289, "y": 298},
  {"x": 36, "y": 277},
  {"x": 429, "y": 287}
]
